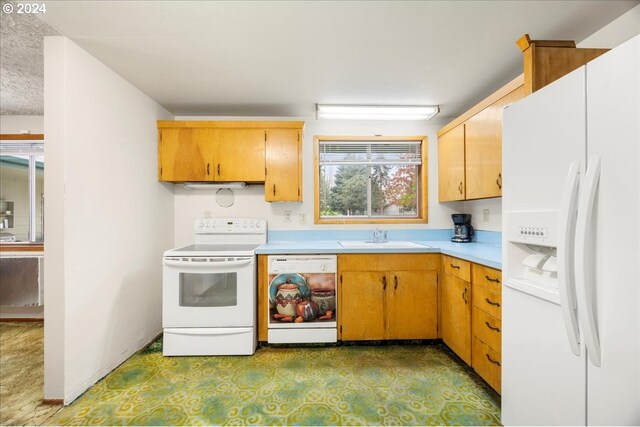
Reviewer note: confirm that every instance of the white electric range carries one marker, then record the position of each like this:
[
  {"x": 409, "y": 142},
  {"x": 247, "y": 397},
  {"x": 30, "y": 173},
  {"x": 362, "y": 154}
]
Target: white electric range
[{"x": 209, "y": 289}]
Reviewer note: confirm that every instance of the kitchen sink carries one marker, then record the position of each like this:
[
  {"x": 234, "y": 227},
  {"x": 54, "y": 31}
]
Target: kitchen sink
[{"x": 394, "y": 244}]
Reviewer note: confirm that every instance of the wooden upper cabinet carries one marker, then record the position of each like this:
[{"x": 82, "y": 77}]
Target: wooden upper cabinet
[
  {"x": 185, "y": 155},
  {"x": 233, "y": 151},
  {"x": 283, "y": 181},
  {"x": 483, "y": 149},
  {"x": 481, "y": 126},
  {"x": 240, "y": 154},
  {"x": 451, "y": 179},
  {"x": 547, "y": 60}
]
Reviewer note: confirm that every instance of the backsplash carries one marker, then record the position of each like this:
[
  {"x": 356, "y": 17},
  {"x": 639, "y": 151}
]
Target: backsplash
[{"x": 487, "y": 237}]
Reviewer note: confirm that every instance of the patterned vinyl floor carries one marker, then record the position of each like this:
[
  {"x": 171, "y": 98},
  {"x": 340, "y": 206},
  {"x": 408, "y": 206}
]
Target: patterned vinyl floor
[{"x": 346, "y": 385}]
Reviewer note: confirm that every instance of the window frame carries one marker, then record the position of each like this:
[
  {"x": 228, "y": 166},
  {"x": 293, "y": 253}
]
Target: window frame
[
  {"x": 423, "y": 180},
  {"x": 33, "y": 147}
]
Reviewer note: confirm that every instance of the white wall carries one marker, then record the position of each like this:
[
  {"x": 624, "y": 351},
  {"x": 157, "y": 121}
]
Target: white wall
[
  {"x": 616, "y": 32},
  {"x": 193, "y": 204},
  {"x": 18, "y": 124},
  {"x": 108, "y": 219}
]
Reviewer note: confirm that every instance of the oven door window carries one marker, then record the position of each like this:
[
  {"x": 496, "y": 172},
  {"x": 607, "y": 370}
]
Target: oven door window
[{"x": 208, "y": 289}]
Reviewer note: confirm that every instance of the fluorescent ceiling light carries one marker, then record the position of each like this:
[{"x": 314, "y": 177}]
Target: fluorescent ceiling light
[
  {"x": 213, "y": 185},
  {"x": 376, "y": 112}
]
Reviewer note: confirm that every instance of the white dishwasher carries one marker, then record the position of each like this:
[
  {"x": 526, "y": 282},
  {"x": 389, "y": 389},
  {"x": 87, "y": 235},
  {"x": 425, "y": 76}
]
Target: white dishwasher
[{"x": 302, "y": 299}]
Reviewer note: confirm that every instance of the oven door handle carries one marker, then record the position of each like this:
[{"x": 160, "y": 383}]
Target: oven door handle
[{"x": 218, "y": 264}]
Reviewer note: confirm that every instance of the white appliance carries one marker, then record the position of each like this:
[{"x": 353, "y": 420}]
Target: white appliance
[
  {"x": 571, "y": 260},
  {"x": 302, "y": 299},
  {"x": 209, "y": 289}
]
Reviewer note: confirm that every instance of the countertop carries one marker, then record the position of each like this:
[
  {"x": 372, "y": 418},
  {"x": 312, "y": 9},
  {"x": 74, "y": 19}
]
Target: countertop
[{"x": 486, "y": 254}]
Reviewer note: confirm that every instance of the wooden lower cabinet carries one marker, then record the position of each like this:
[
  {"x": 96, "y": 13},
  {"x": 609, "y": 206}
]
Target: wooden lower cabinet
[
  {"x": 412, "y": 306},
  {"x": 487, "y": 324},
  {"x": 456, "y": 315},
  {"x": 362, "y": 300},
  {"x": 487, "y": 363},
  {"x": 378, "y": 301}
]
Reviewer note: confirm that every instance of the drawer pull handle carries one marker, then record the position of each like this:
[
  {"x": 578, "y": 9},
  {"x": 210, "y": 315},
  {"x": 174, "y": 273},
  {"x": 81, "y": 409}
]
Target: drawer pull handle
[
  {"x": 492, "y": 280},
  {"x": 460, "y": 188},
  {"x": 455, "y": 266},
  {"x": 395, "y": 279},
  {"x": 495, "y": 362},
  {"x": 384, "y": 283},
  {"x": 207, "y": 168},
  {"x": 499, "y": 181},
  {"x": 218, "y": 168},
  {"x": 493, "y": 328},
  {"x": 464, "y": 296},
  {"x": 497, "y": 304}
]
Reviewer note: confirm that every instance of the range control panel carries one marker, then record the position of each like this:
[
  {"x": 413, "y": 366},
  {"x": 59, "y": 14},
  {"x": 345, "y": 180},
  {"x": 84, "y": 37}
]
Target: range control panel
[{"x": 231, "y": 225}]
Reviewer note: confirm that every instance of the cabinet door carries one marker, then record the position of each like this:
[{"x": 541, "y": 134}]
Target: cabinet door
[
  {"x": 362, "y": 305},
  {"x": 451, "y": 181},
  {"x": 412, "y": 305},
  {"x": 456, "y": 316},
  {"x": 239, "y": 155},
  {"x": 483, "y": 149},
  {"x": 283, "y": 179},
  {"x": 186, "y": 155}
]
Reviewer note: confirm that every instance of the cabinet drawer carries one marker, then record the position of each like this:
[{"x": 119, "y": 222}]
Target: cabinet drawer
[
  {"x": 487, "y": 363},
  {"x": 487, "y": 299},
  {"x": 457, "y": 268},
  {"x": 487, "y": 328},
  {"x": 487, "y": 276}
]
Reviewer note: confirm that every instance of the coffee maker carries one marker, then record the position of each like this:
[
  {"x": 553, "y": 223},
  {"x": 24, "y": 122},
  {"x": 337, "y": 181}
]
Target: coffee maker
[{"x": 462, "y": 229}]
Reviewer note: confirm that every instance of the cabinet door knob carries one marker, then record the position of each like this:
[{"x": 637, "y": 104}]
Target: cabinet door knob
[
  {"x": 495, "y": 362},
  {"x": 464, "y": 296},
  {"x": 491, "y": 279},
  {"x": 395, "y": 279},
  {"x": 457, "y": 267},
  {"x": 499, "y": 181},
  {"x": 460, "y": 187},
  {"x": 218, "y": 168},
  {"x": 384, "y": 283},
  {"x": 207, "y": 168},
  {"x": 274, "y": 189}
]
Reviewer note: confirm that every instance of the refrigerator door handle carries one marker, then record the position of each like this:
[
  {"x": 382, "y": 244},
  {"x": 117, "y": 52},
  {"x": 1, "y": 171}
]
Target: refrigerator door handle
[
  {"x": 584, "y": 273},
  {"x": 566, "y": 270}
]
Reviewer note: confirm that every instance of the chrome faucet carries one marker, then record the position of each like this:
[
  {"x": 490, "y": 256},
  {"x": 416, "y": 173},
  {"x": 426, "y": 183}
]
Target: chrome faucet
[{"x": 379, "y": 236}]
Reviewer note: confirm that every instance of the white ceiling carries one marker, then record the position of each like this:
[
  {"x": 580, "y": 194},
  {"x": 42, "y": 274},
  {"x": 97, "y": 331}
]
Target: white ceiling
[{"x": 278, "y": 58}]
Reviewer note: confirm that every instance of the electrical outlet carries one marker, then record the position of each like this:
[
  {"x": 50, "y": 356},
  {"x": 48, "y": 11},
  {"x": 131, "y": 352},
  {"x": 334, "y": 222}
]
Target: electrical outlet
[
  {"x": 303, "y": 218},
  {"x": 207, "y": 214},
  {"x": 287, "y": 216},
  {"x": 485, "y": 215}
]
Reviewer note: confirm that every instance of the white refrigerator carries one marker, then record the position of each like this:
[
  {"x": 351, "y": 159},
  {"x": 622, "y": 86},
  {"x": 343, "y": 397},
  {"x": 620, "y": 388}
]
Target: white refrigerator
[{"x": 571, "y": 238}]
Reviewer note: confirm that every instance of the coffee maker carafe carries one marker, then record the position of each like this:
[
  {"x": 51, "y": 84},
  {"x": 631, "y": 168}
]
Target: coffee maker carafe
[{"x": 462, "y": 229}]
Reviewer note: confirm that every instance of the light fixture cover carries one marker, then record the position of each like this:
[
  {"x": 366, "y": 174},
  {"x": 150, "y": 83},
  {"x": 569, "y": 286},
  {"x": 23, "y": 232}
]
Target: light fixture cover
[
  {"x": 213, "y": 185},
  {"x": 376, "y": 112}
]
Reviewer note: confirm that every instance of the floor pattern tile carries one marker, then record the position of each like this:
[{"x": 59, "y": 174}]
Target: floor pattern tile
[
  {"x": 22, "y": 375},
  {"x": 344, "y": 385}
]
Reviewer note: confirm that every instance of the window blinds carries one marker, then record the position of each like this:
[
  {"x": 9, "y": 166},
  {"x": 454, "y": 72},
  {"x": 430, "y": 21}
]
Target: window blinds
[
  {"x": 21, "y": 147},
  {"x": 370, "y": 152}
]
